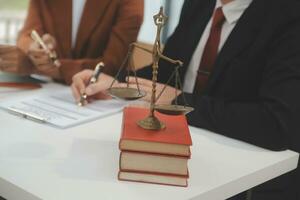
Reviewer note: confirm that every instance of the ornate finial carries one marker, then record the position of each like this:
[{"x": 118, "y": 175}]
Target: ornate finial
[{"x": 160, "y": 18}]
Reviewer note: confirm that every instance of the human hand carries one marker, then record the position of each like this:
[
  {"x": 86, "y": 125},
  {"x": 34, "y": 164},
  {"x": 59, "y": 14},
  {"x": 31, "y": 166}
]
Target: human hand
[
  {"x": 93, "y": 91},
  {"x": 40, "y": 57},
  {"x": 14, "y": 60},
  {"x": 167, "y": 96}
]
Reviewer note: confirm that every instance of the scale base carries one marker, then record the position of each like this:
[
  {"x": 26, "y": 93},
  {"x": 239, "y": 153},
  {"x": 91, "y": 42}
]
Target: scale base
[{"x": 151, "y": 123}]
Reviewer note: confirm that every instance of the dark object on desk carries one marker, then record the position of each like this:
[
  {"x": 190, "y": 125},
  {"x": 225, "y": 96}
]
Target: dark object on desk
[{"x": 17, "y": 81}]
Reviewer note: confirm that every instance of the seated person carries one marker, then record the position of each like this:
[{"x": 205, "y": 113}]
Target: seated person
[
  {"x": 241, "y": 74},
  {"x": 81, "y": 32}
]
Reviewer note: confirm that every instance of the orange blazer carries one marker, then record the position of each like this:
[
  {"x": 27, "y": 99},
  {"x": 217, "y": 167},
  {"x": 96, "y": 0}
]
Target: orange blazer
[{"x": 106, "y": 29}]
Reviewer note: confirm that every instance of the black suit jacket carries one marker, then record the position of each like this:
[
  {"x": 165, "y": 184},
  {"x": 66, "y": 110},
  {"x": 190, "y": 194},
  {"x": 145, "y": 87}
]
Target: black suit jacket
[{"x": 253, "y": 93}]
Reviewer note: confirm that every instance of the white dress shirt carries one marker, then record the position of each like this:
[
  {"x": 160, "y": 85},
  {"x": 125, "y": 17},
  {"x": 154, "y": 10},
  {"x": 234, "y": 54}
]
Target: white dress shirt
[
  {"x": 232, "y": 12},
  {"x": 77, "y": 10}
]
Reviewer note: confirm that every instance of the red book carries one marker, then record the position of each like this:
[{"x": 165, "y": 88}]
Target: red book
[{"x": 175, "y": 139}]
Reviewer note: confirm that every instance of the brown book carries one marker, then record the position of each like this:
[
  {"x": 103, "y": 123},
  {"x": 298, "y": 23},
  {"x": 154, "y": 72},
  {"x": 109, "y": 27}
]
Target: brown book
[
  {"x": 153, "y": 178},
  {"x": 175, "y": 139},
  {"x": 153, "y": 163}
]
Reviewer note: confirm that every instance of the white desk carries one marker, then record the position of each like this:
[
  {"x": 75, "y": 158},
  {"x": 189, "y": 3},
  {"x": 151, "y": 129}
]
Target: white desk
[{"x": 81, "y": 163}]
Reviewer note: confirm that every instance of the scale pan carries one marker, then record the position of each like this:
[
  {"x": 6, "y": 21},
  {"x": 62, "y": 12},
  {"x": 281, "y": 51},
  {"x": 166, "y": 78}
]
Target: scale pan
[
  {"x": 173, "y": 109},
  {"x": 126, "y": 93}
]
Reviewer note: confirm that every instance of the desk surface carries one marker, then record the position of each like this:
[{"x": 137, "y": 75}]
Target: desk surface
[{"x": 42, "y": 162}]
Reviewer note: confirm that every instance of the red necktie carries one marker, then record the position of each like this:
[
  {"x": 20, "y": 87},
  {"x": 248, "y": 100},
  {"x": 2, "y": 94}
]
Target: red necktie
[{"x": 210, "y": 51}]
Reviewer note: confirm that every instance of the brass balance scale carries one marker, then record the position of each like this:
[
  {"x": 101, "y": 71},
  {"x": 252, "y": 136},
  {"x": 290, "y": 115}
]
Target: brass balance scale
[{"x": 127, "y": 93}]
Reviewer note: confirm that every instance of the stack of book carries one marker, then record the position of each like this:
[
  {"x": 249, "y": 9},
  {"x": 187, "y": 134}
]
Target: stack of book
[{"x": 159, "y": 157}]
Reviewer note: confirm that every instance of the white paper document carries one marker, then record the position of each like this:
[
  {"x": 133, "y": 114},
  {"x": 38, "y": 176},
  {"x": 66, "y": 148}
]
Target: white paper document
[{"x": 60, "y": 110}]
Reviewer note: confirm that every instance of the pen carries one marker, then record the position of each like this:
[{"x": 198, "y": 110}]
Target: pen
[
  {"x": 25, "y": 115},
  {"x": 52, "y": 55},
  {"x": 93, "y": 79}
]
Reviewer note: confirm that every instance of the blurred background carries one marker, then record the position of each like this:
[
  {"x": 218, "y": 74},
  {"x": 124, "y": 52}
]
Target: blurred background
[{"x": 13, "y": 13}]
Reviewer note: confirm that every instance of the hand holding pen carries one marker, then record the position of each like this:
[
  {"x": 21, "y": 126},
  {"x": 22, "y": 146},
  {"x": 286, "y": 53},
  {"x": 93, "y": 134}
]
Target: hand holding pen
[
  {"x": 50, "y": 52},
  {"x": 98, "y": 90},
  {"x": 93, "y": 80}
]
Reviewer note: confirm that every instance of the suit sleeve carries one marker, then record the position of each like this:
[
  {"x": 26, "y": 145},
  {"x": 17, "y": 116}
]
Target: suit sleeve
[
  {"x": 125, "y": 30},
  {"x": 270, "y": 121},
  {"x": 32, "y": 21}
]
